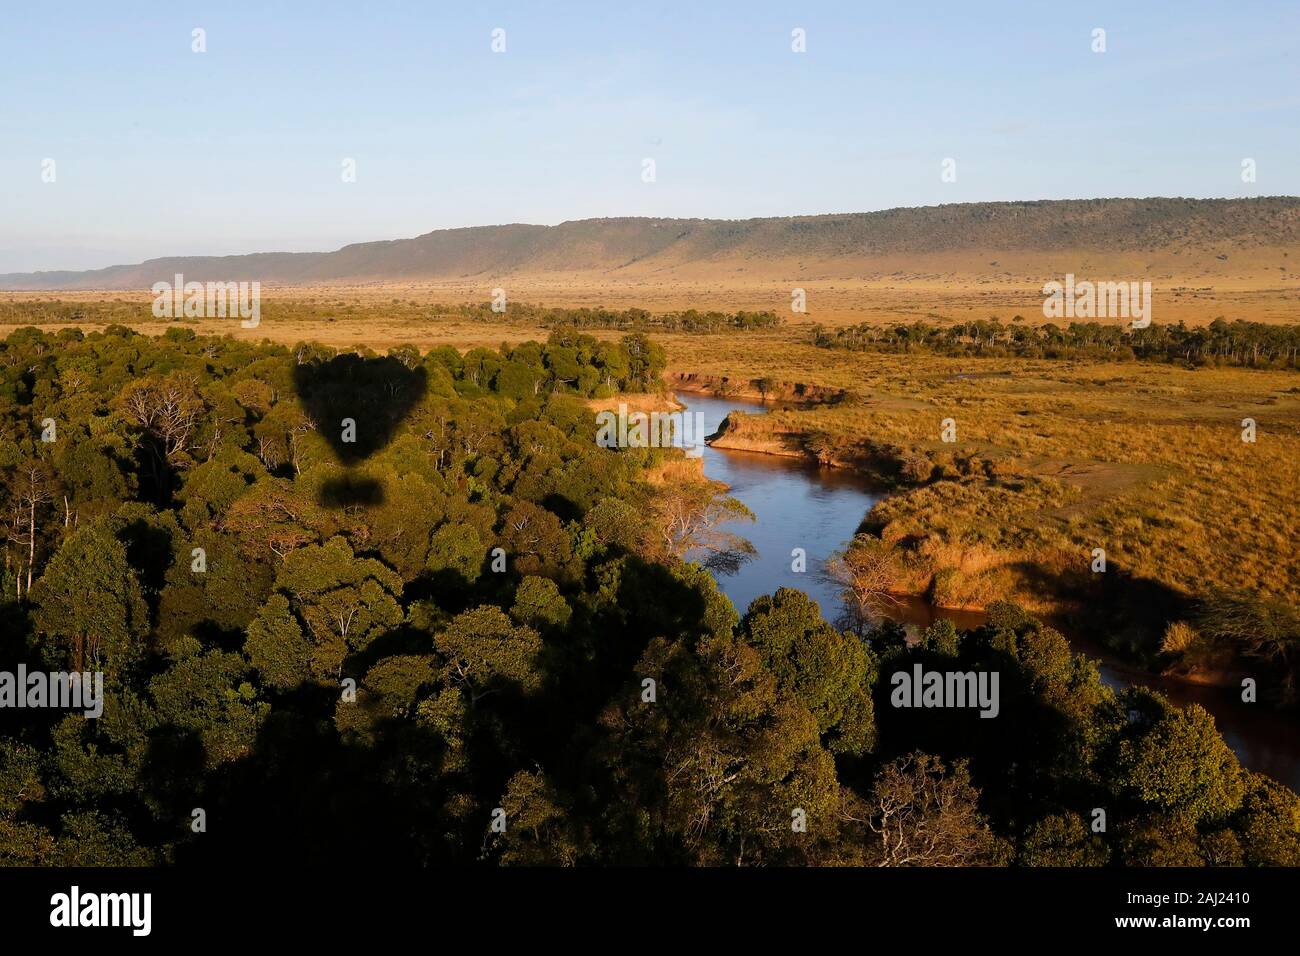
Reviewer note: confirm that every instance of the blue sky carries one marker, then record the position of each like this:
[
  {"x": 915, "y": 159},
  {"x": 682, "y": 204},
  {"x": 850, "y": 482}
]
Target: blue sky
[{"x": 160, "y": 150}]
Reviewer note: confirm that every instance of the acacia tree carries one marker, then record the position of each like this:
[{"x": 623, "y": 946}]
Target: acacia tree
[
  {"x": 89, "y": 601},
  {"x": 282, "y": 436},
  {"x": 920, "y": 813},
  {"x": 343, "y": 602},
  {"x": 868, "y": 573},
  {"x": 277, "y": 646},
  {"x": 274, "y": 517},
  {"x": 830, "y": 673},
  {"x": 646, "y": 360},
  {"x": 536, "y": 542},
  {"x": 1172, "y": 760},
  {"x": 433, "y": 422},
  {"x": 542, "y": 829},
  {"x": 168, "y": 410},
  {"x": 539, "y": 604},
  {"x": 486, "y": 652},
  {"x": 690, "y": 518},
  {"x": 30, "y": 490},
  {"x": 90, "y": 463},
  {"x": 723, "y": 759}
]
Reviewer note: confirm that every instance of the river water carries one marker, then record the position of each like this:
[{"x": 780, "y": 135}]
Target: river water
[{"x": 800, "y": 505}]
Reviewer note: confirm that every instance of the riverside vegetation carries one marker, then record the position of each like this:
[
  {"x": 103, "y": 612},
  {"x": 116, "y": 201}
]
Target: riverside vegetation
[
  {"x": 1253, "y": 344},
  {"x": 1184, "y": 476},
  {"x": 526, "y": 634}
]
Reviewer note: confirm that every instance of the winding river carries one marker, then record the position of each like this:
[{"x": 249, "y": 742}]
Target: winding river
[{"x": 800, "y": 505}]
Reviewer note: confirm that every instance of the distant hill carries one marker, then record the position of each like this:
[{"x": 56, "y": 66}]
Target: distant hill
[{"x": 952, "y": 238}]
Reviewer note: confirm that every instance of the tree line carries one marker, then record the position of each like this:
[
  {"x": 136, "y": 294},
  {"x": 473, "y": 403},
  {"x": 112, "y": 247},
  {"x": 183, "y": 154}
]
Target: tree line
[
  {"x": 633, "y": 319},
  {"x": 1237, "y": 343}
]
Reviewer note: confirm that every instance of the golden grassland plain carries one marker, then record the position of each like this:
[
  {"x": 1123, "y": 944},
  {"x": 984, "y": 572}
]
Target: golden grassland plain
[
  {"x": 1053, "y": 458},
  {"x": 1195, "y": 288}
]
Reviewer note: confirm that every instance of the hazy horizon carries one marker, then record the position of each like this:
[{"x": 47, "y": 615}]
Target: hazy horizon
[
  {"x": 172, "y": 254},
  {"x": 160, "y": 150}
]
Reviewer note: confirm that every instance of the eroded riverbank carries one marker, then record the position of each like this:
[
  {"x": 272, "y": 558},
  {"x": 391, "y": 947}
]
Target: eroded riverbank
[{"x": 799, "y": 505}]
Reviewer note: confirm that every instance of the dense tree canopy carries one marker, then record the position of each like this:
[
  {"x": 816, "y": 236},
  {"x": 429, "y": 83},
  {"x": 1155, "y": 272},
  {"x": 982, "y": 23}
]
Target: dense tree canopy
[{"x": 469, "y": 634}]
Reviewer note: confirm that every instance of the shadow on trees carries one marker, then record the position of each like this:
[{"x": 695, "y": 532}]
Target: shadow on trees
[
  {"x": 357, "y": 404},
  {"x": 351, "y": 490},
  {"x": 307, "y": 796},
  {"x": 1022, "y": 760},
  {"x": 149, "y": 551}
]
